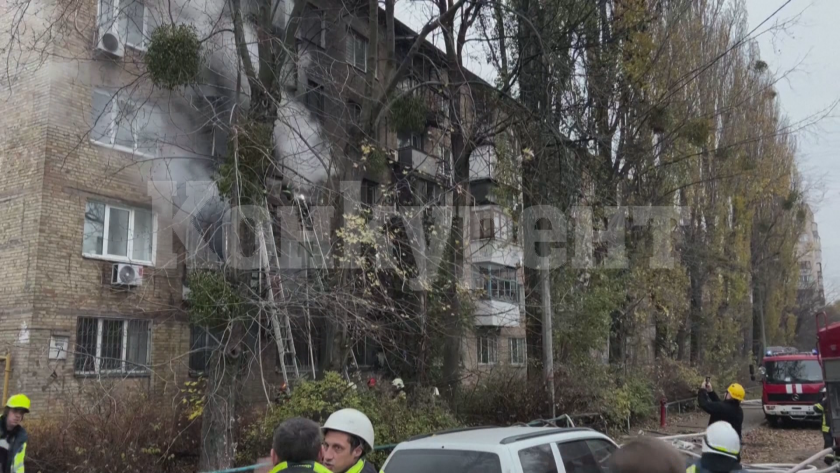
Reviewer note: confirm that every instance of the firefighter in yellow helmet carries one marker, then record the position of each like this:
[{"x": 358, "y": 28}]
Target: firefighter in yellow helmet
[
  {"x": 13, "y": 436},
  {"x": 728, "y": 410}
]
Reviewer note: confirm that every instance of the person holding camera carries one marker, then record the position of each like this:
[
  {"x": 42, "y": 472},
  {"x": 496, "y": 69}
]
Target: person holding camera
[{"x": 728, "y": 410}]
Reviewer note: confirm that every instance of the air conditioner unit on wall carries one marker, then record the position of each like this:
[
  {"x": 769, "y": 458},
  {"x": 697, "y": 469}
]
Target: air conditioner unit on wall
[
  {"x": 109, "y": 42},
  {"x": 123, "y": 274}
]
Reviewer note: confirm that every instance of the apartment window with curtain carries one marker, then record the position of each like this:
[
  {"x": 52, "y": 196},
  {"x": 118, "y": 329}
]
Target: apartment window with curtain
[{"x": 490, "y": 224}]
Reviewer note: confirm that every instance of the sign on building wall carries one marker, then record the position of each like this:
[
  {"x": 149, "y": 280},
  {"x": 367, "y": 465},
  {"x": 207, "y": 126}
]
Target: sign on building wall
[{"x": 58, "y": 347}]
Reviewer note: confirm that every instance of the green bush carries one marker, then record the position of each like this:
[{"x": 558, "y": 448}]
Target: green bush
[
  {"x": 212, "y": 300},
  {"x": 393, "y": 419},
  {"x": 173, "y": 57},
  {"x": 633, "y": 400}
]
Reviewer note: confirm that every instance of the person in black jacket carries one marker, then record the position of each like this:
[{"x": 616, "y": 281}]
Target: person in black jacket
[
  {"x": 296, "y": 447},
  {"x": 728, "y": 410}
]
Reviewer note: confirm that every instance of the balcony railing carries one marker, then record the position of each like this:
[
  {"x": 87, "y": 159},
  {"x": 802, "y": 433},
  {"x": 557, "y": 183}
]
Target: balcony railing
[
  {"x": 437, "y": 107},
  {"x": 416, "y": 160}
]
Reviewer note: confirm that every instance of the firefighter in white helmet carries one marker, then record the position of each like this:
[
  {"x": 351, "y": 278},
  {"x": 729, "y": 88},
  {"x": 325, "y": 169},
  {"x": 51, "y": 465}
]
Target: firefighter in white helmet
[
  {"x": 721, "y": 451},
  {"x": 348, "y": 437}
]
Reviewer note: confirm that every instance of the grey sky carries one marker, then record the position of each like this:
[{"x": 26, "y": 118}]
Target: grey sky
[{"x": 805, "y": 51}]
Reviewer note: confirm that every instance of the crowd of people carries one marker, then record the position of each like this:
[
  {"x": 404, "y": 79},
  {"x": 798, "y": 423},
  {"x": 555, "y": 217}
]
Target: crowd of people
[{"x": 342, "y": 444}]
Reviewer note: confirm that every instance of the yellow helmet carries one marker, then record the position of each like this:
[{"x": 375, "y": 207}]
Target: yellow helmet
[
  {"x": 736, "y": 391},
  {"x": 18, "y": 401}
]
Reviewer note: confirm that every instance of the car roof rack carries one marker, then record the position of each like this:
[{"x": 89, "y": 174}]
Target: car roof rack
[
  {"x": 451, "y": 431},
  {"x": 547, "y": 431}
]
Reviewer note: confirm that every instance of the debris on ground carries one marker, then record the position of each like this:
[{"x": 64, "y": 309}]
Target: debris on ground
[{"x": 782, "y": 445}]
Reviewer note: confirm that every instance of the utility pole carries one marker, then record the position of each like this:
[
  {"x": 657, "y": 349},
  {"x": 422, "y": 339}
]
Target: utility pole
[
  {"x": 763, "y": 330},
  {"x": 548, "y": 343}
]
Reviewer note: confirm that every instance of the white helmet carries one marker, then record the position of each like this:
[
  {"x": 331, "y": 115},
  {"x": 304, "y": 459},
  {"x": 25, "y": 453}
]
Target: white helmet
[
  {"x": 722, "y": 439},
  {"x": 398, "y": 383},
  {"x": 353, "y": 422}
]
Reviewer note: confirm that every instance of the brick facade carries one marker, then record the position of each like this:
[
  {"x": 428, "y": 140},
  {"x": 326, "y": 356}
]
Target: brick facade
[{"x": 50, "y": 170}]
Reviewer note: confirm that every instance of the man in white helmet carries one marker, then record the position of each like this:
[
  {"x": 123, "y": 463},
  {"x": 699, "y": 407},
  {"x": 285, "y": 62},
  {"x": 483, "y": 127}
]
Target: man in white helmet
[
  {"x": 721, "y": 451},
  {"x": 348, "y": 437}
]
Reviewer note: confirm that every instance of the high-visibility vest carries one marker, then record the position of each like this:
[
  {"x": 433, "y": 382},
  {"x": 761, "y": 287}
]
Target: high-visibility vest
[
  {"x": 315, "y": 467},
  {"x": 357, "y": 468},
  {"x": 820, "y": 408}
]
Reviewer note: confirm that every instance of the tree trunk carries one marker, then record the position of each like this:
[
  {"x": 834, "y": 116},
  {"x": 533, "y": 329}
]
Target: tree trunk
[
  {"x": 452, "y": 322},
  {"x": 218, "y": 418}
]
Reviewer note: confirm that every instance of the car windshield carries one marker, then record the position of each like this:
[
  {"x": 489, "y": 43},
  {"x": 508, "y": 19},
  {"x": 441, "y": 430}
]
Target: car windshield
[
  {"x": 443, "y": 461},
  {"x": 793, "y": 371}
]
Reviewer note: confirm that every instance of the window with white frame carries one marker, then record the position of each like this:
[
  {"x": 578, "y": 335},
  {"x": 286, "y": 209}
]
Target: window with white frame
[
  {"x": 119, "y": 233},
  {"x": 498, "y": 282},
  {"x": 112, "y": 346},
  {"x": 126, "y": 18},
  {"x": 517, "y": 351},
  {"x": 488, "y": 348},
  {"x": 491, "y": 224},
  {"x": 410, "y": 140},
  {"x": 356, "y": 53},
  {"x": 121, "y": 122}
]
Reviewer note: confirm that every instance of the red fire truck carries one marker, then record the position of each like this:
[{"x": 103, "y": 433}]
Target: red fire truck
[
  {"x": 791, "y": 381},
  {"x": 828, "y": 344}
]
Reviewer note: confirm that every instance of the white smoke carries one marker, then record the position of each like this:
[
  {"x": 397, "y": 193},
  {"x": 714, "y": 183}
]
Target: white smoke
[{"x": 302, "y": 149}]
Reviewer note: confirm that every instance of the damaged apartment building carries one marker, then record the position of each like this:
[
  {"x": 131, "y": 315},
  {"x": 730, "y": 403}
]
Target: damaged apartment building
[{"x": 94, "y": 267}]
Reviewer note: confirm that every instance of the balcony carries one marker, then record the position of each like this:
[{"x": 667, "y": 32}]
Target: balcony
[
  {"x": 437, "y": 107},
  {"x": 498, "y": 288},
  {"x": 493, "y": 238},
  {"x": 416, "y": 160},
  {"x": 494, "y": 251},
  {"x": 493, "y": 313}
]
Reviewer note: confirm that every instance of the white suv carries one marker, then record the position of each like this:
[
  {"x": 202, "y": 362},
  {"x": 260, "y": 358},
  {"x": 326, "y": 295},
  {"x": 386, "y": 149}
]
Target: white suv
[{"x": 504, "y": 449}]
